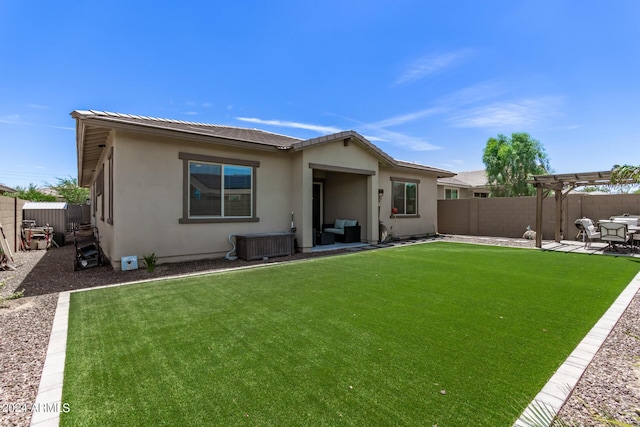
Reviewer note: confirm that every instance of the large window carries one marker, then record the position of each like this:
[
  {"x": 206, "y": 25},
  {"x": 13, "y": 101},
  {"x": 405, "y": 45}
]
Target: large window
[
  {"x": 218, "y": 189},
  {"x": 451, "y": 193},
  {"x": 405, "y": 196}
]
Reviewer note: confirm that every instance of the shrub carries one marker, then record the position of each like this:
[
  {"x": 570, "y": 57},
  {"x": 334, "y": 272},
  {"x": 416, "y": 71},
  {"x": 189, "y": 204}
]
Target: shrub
[{"x": 150, "y": 261}]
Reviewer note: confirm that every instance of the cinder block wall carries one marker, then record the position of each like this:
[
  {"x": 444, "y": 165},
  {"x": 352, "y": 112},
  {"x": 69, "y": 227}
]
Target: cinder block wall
[
  {"x": 509, "y": 216},
  {"x": 11, "y": 220}
]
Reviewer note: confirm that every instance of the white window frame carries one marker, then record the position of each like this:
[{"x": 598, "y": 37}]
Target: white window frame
[{"x": 450, "y": 190}]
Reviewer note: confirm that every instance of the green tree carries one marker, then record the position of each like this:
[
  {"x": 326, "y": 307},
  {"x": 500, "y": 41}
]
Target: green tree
[
  {"x": 31, "y": 193},
  {"x": 625, "y": 179},
  {"x": 509, "y": 162},
  {"x": 619, "y": 174},
  {"x": 593, "y": 188},
  {"x": 68, "y": 189}
]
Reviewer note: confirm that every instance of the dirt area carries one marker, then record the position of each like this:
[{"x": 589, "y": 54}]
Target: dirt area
[{"x": 54, "y": 271}]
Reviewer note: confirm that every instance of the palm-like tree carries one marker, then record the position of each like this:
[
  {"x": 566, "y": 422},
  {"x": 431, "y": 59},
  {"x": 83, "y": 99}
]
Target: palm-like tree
[{"x": 625, "y": 173}]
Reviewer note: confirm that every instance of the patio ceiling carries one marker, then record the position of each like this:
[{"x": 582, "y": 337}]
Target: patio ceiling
[{"x": 91, "y": 144}]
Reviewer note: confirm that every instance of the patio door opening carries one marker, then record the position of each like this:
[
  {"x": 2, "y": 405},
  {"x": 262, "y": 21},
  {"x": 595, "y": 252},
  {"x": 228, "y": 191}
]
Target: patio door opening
[{"x": 318, "y": 205}]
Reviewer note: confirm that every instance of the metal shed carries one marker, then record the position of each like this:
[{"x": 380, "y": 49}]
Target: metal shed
[{"x": 53, "y": 213}]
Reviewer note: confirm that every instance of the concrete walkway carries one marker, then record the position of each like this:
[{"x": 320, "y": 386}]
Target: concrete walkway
[{"x": 596, "y": 248}]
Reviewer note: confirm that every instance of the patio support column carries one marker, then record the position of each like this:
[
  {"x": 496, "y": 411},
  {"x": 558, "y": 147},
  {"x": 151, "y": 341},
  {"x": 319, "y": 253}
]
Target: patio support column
[
  {"x": 558, "y": 194},
  {"x": 371, "y": 232},
  {"x": 539, "y": 216}
]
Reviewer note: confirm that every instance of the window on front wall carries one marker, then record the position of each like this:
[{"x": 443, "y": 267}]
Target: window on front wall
[
  {"x": 405, "y": 197},
  {"x": 218, "y": 189},
  {"x": 451, "y": 193}
]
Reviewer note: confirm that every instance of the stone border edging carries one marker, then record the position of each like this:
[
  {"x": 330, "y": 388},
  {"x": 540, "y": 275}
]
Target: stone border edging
[{"x": 560, "y": 386}]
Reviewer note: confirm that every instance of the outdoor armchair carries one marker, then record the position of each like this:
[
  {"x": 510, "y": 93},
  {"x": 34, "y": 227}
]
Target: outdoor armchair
[
  {"x": 345, "y": 230},
  {"x": 614, "y": 233},
  {"x": 590, "y": 232}
]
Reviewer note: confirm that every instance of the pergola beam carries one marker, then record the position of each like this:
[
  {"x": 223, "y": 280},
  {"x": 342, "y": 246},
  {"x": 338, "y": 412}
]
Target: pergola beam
[{"x": 558, "y": 183}]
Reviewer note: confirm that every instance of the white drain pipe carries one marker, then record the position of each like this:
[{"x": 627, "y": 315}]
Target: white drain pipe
[{"x": 228, "y": 256}]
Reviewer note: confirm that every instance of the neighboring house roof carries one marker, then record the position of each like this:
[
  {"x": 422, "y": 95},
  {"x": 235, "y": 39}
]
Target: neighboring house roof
[
  {"x": 94, "y": 129},
  {"x": 470, "y": 179},
  {"x": 51, "y": 192},
  {"x": 45, "y": 205},
  {"x": 5, "y": 189}
]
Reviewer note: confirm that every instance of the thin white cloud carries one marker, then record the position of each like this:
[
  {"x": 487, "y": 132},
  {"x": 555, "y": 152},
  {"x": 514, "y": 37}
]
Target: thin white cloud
[
  {"x": 429, "y": 65},
  {"x": 374, "y": 138},
  {"x": 520, "y": 113},
  {"x": 377, "y": 131},
  {"x": 38, "y": 106},
  {"x": 397, "y": 120},
  {"x": 12, "y": 119},
  {"x": 373, "y": 132},
  {"x": 16, "y": 119},
  {"x": 475, "y": 94},
  {"x": 287, "y": 124},
  {"x": 405, "y": 141}
]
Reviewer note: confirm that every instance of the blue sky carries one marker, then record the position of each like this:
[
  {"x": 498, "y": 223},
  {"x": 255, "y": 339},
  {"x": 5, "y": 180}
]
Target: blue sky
[{"x": 426, "y": 81}]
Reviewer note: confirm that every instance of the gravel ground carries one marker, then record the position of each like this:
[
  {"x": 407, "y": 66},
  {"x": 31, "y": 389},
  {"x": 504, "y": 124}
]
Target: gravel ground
[{"x": 611, "y": 384}]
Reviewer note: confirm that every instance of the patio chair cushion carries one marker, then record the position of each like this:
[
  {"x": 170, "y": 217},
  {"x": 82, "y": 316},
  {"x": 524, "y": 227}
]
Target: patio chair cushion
[
  {"x": 345, "y": 230},
  {"x": 613, "y": 232}
]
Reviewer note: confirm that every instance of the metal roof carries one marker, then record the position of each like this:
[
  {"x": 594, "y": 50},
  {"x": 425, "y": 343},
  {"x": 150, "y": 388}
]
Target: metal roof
[
  {"x": 94, "y": 129},
  {"x": 45, "y": 205}
]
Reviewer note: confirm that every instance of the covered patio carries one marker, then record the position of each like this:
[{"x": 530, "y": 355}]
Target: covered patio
[{"x": 561, "y": 185}]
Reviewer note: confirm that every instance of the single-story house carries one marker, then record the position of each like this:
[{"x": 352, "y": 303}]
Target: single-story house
[
  {"x": 463, "y": 185},
  {"x": 5, "y": 189},
  {"x": 181, "y": 189}
]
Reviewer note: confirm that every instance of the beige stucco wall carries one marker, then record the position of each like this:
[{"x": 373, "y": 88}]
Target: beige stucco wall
[
  {"x": 463, "y": 193},
  {"x": 148, "y": 196},
  {"x": 348, "y": 190},
  {"x": 148, "y": 183},
  {"x": 427, "y": 219}
]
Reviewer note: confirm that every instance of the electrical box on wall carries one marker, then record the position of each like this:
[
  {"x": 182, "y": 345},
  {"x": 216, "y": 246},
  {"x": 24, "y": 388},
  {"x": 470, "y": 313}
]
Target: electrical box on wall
[{"x": 129, "y": 263}]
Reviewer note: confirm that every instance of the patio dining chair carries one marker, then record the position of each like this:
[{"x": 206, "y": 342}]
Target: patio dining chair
[
  {"x": 590, "y": 233},
  {"x": 614, "y": 233},
  {"x": 635, "y": 241}
]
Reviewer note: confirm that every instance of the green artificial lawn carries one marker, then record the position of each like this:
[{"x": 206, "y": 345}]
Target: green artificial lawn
[{"x": 439, "y": 333}]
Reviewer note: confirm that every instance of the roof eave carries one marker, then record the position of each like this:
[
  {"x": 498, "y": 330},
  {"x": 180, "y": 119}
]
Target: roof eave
[{"x": 349, "y": 136}]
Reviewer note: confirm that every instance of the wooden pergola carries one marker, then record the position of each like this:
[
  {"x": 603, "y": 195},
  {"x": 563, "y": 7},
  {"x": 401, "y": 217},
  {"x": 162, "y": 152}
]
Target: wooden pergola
[{"x": 561, "y": 185}]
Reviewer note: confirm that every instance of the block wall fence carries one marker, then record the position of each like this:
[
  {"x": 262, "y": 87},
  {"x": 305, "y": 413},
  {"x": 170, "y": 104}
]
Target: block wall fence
[
  {"x": 11, "y": 220},
  {"x": 510, "y": 216}
]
